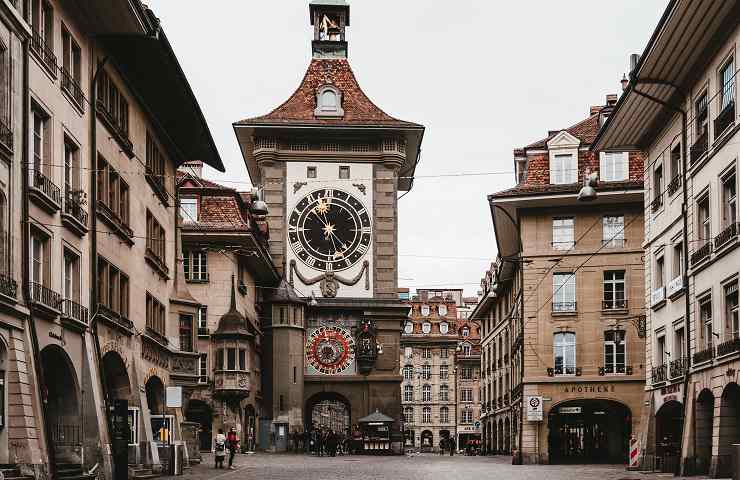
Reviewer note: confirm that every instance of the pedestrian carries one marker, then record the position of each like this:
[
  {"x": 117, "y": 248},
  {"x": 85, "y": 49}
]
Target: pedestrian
[
  {"x": 451, "y": 443},
  {"x": 442, "y": 446},
  {"x": 233, "y": 443},
  {"x": 219, "y": 449}
]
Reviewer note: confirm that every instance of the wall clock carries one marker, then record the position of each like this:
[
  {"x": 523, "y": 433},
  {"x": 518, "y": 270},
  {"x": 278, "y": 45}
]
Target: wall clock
[
  {"x": 330, "y": 350},
  {"x": 329, "y": 230}
]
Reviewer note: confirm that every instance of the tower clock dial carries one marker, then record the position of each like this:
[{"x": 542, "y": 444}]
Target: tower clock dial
[{"x": 329, "y": 230}]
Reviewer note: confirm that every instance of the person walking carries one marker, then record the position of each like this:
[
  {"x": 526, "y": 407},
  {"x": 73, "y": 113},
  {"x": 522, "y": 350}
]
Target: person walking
[
  {"x": 452, "y": 446},
  {"x": 219, "y": 449},
  {"x": 442, "y": 442},
  {"x": 233, "y": 443}
]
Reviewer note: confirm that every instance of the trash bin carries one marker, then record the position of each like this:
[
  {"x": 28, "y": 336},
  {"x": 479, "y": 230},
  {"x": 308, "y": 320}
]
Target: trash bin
[{"x": 736, "y": 461}]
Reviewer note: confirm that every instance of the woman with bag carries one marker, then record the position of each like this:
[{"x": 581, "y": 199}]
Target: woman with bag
[
  {"x": 219, "y": 449},
  {"x": 233, "y": 444}
]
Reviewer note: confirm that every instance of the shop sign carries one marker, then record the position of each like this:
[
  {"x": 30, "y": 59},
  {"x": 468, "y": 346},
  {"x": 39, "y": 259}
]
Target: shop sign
[
  {"x": 534, "y": 409},
  {"x": 570, "y": 410},
  {"x": 668, "y": 389},
  {"x": 603, "y": 388},
  {"x": 174, "y": 397}
]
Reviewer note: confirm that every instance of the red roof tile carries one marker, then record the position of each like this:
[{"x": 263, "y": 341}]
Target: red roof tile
[
  {"x": 548, "y": 189},
  {"x": 359, "y": 110},
  {"x": 585, "y": 131}
]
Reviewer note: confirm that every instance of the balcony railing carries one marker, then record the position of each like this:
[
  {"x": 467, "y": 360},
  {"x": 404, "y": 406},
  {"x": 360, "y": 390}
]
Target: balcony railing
[
  {"x": 725, "y": 118},
  {"x": 614, "y": 304},
  {"x": 699, "y": 147},
  {"x": 702, "y": 253},
  {"x": 38, "y": 45},
  {"x": 728, "y": 347},
  {"x": 203, "y": 331},
  {"x": 674, "y": 185},
  {"x": 704, "y": 355},
  {"x": 66, "y": 435},
  {"x": 563, "y": 307},
  {"x": 47, "y": 187},
  {"x": 657, "y": 202},
  {"x": 75, "y": 311},
  {"x": 73, "y": 88},
  {"x": 659, "y": 373},
  {"x": 561, "y": 370},
  {"x": 728, "y": 234},
  {"x": 73, "y": 207},
  {"x": 8, "y": 286},
  {"x": 678, "y": 368},
  {"x": 615, "y": 370},
  {"x": 45, "y": 296},
  {"x": 115, "y": 317}
]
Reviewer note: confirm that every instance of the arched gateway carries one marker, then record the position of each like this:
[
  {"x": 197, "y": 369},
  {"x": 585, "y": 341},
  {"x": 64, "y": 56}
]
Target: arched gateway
[{"x": 328, "y": 410}]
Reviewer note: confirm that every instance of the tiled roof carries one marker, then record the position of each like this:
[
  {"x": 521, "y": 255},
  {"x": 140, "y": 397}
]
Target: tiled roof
[
  {"x": 200, "y": 182},
  {"x": 548, "y": 189},
  {"x": 219, "y": 213},
  {"x": 359, "y": 110},
  {"x": 585, "y": 131}
]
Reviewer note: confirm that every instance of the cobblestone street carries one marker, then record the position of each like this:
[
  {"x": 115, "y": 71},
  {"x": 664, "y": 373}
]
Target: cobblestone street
[{"x": 419, "y": 467}]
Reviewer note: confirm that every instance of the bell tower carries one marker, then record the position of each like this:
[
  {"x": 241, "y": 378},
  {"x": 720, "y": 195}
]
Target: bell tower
[{"x": 330, "y": 19}]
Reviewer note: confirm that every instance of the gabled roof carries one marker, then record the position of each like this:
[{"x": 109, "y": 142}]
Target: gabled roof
[
  {"x": 299, "y": 109},
  {"x": 220, "y": 207},
  {"x": 585, "y": 131}
]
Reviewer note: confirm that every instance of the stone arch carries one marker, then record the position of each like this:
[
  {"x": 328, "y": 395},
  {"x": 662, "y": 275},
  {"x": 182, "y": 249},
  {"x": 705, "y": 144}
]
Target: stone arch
[
  {"x": 155, "y": 393},
  {"x": 507, "y": 435},
  {"x": 729, "y": 428},
  {"x": 427, "y": 440},
  {"x": 62, "y": 407},
  {"x": 704, "y": 420},
  {"x": 668, "y": 433},
  {"x": 335, "y": 405},
  {"x": 115, "y": 373},
  {"x": 200, "y": 412}
]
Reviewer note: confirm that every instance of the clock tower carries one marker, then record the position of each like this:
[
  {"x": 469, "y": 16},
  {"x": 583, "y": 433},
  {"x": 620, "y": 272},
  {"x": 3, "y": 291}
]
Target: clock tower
[{"x": 330, "y": 164}]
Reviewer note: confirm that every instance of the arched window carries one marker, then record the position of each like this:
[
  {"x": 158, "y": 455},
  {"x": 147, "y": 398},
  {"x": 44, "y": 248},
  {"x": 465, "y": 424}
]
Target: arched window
[
  {"x": 426, "y": 393},
  {"x": 444, "y": 327},
  {"x": 465, "y": 332},
  {"x": 442, "y": 310},
  {"x": 408, "y": 372},
  {"x": 426, "y": 327},
  {"x": 444, "y": 415},
  {"x": 408, "y": 393},
  {"x": 466, "y": 349},
  {"x": 329, "y": 102},
  {"x": 426, "y": 415}
]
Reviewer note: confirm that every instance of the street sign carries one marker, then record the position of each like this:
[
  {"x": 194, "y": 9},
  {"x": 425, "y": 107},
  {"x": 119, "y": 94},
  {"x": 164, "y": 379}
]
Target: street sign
[
  {"x": 534, "y": 409},
  {"x": 174, "y": 397}
]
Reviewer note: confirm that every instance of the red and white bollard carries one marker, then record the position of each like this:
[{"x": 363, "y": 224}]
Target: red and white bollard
[{"x": 634, "y": 452}]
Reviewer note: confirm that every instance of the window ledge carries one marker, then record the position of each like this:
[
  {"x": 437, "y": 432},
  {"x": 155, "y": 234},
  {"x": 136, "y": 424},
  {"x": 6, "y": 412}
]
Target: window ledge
[
  {"x": 614, "y": 311},
  {"x": 120, "y": 136},
  {"x": 121, "y": 229},
  {"x": 158, "y": 188},
  {"x": 157, "y": 264}
]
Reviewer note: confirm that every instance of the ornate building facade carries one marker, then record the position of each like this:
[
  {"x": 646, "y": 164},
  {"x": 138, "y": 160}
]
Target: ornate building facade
[{"x": 329, "y": 164}]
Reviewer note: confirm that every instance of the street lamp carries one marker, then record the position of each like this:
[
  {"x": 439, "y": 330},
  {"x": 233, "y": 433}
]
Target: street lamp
[{"x": 588, "y": 192}]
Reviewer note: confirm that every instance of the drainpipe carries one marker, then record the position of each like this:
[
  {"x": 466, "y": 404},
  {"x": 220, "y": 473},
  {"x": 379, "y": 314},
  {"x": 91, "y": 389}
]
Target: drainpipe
[
  {"x": 25, "y": 239},
  {"x": 685, "y": 219}
]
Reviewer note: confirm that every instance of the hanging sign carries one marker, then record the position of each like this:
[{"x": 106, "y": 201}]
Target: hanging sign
[{"x": 174, "y": 397}]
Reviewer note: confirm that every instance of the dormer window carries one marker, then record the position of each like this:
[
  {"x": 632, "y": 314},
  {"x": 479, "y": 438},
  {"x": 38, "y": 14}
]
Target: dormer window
[
  {"x": 329, "y": 102},
  {"x": 425, "y": 310},
  {"x": 521, "y": 170}
]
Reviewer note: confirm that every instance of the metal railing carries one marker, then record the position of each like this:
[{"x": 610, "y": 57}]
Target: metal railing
[
  {"x": 704, "y": 355},
  {"x": 6, "y": 134},
  {"x": 700, "y": 147},
  {"x": 702, "y": 253},
  {"x": 75, "y": 311},
  {"x": 8, "y": 286},
  {"x": 563, "y": 307},
  {"x": 45, "y": 296},
  {"x": 615, "y": 369},
  {"x": 66, "y": 435},
  {"x": 675, "y": 184},
  {"x": 656, "y": 203},
  {"x": 614, "y": 304},
  {"x": 729, "y": 233},
  {"x": 115, "y": 218},
  {"x": 73, "y": 88},
  {"x": 659, "y": 373},
  {"x": 728, "y": 347},
  {"x": 677, "y": 368},
  {"x": 725, "y": 118},
  {"x": 47, "y": 187},
  {"x": 38, "y": 45},
  {"x": 73, "y": 207}
]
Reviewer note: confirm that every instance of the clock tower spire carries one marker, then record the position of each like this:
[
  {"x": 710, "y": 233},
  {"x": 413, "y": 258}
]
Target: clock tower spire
[{"x": 330, "y": 19}]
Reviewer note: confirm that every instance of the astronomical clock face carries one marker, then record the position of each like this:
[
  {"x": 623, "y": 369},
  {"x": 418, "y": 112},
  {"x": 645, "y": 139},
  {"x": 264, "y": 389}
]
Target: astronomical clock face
[
  {"x": 329, "y": 230},
  {"x": 330, "y": 350}
]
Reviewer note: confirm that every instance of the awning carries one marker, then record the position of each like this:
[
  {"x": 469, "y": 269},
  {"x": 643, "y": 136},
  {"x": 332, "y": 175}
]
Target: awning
[
  {"x": 151, "y": 67},
  {"x": 686, "y": 38}
]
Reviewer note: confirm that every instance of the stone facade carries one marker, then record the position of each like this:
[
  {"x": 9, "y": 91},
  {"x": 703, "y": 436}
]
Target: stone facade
[
  {"x": 561, "y": 308},
  {"x": 692, "y": 398}
]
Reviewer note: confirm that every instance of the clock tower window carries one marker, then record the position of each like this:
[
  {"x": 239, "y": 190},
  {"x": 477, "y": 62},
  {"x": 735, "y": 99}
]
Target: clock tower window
[{"x": 344, "y": 173}]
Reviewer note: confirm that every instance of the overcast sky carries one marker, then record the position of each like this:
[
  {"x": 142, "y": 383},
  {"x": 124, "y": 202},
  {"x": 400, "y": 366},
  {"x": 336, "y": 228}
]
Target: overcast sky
[{"x": 483, "y": 76}]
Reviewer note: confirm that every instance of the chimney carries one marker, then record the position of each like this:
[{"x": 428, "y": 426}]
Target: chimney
[
  {"x": 634, "y": 60},
  {"x": 611, "y": 99},
  {"x": 624, "y": 82},
  {"x": 595, "y": 109},
  {"x": 194, "y": 168}
]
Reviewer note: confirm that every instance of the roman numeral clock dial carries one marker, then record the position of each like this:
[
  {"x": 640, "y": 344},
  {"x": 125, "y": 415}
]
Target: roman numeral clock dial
[{"x": 329, "y": 230}]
